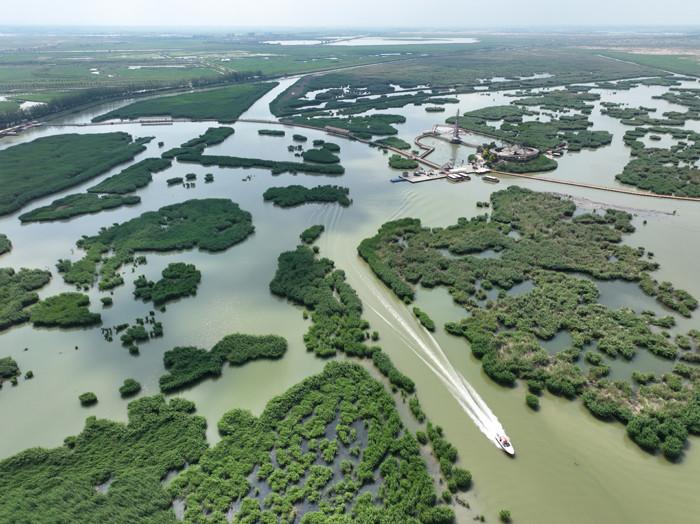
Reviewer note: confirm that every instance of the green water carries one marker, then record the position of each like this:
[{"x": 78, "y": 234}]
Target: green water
[{"x": 570, "y": 467}]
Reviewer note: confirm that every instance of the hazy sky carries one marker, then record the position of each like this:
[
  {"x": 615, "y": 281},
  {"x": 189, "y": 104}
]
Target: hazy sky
[{"x": 466, "y": 14}]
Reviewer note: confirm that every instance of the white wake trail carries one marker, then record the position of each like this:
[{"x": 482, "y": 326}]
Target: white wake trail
[{"x": 435, "y": 359}]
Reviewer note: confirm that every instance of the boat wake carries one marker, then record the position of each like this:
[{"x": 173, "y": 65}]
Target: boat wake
[{"x": 429, "y": 351}]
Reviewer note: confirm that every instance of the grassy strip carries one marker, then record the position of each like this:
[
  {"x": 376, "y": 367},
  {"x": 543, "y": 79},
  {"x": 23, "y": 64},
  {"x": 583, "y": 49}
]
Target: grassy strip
[
  {"x": 77, "y": 205},
  {"x": 403, "y": 163},
  {"x": 273, "y": 165},
  {"x": 225, "y": 104},
  {"x": 58, "y": 162},
  {"x": 296, "y": 195},
  {"x": 132, "y": 178}
]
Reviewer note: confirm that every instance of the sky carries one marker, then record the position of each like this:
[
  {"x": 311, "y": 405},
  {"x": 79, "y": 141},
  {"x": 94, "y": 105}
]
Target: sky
[{"x": 468, "y": 15}]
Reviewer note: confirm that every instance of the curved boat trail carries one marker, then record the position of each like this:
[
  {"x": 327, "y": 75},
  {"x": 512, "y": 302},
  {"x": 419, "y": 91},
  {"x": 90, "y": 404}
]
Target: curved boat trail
[{"x": 429, "y": 351}]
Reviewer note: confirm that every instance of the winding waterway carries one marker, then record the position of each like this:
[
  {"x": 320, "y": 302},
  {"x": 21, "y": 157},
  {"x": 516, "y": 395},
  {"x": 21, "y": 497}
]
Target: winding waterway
[{"x": 570, "y": 467}]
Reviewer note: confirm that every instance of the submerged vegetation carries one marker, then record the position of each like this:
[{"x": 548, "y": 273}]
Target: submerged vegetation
[
  {"x": 18, "y": 293},
  {"x": 77, "y": 205},
  {"x": 296, "y": 195},
  {"x": 58, "y": 162},
  {"x": 507, "y": 332},
  {"x": 225, "y": 104},
  {"x": 179, "y": 280},
  {"x": 209, "y": 224}
]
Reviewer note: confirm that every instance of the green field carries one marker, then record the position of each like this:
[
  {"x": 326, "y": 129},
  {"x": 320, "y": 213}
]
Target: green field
[
  {"x": 225, "y": 104},
  {"x": 47, "y": 165}
]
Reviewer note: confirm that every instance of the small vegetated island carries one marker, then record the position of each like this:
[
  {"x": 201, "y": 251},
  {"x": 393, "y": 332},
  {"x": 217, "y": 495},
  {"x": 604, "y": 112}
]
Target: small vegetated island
[
  {"x": 5, "y": 244},
  {"x": 18, "y": 293},
  {"x": 311, "y": 234},
  {"x": 188, "y": 365},
  {"x": 9, "y": 370},
  {"x": 179, "y": 280},
  {"x": 296, "y": 195},
  {"x": 323, "y": 155},
  {"x": 506, "y": 332},
  {"x": 76, "y": 205},
  {"x": 225, "y": 104},
  {"x": 66, "y": 310},
  {"x": 213, "y": 224},
  {"x": 58, "y": 162}
]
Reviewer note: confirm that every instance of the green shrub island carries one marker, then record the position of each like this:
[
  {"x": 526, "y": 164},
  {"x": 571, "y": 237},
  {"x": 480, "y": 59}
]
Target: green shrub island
[
  {"x": 321, "y": 156},
  {"x": 311, "y": 234},
  {"x": 9, "y": 370},
  {"x": 111, "y": 472},
  {"x": 394, "y": 141},
  {"x": 58, "y": 162},
  {"x": 506, "y": 331},
  {"x": 132, "y": 178},
  {"x": 78, "y": 205},
  {"x": 66, "y": 310},
  {"x": 130, "y": 388},
  {"x": 188, "y": 365},
  {"x": 224, "y": 104},
  {"x": 5, "y": 244},
  {"x": 211, "y": 137},
  {"x": 296, "y": 195},
  {"x": 88, "y": 399},
  {"x": 179, "y": 280},
  {"x": 424, "y": 319},
  {"x": 403, "y": 163},
  {"x": 271, "y": 132},
  {"x": 18, "y": 293},
  {"x": 211, "y": 224}
]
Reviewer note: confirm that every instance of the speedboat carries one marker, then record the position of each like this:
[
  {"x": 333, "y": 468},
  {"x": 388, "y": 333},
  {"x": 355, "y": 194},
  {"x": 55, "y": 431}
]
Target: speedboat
[{"x": 504, "y": 443}]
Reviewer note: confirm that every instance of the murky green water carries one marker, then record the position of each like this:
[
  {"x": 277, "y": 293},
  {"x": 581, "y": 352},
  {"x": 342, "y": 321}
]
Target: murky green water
[{"x": 570, "y": 467}]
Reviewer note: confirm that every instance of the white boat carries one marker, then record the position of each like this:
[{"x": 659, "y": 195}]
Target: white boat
[{"x": 504, "y": 443}]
